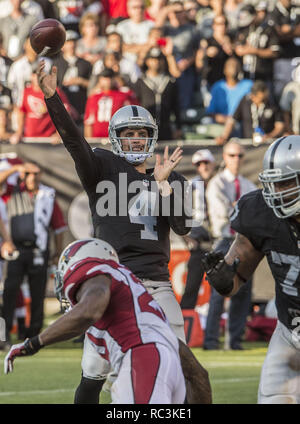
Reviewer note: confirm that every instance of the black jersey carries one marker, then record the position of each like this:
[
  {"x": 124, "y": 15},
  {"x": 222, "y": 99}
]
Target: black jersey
[
  {"x": 141, "y": 239},
  {"x": 279, "y": 240}
]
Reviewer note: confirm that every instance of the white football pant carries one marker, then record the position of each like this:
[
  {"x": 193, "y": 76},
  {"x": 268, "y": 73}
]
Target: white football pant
[
  {"x": 278, "y": 382},
  {"x": 162, "y": 383},
  {"x": 96, "y": 367}
]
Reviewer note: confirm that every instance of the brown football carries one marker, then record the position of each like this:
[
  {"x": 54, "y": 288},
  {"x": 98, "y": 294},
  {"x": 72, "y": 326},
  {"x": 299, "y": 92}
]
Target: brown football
[{"x": 47, "y": 37}]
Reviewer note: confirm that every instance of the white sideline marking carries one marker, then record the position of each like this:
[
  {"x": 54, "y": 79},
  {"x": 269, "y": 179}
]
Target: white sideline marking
[
  {"x": 231, "y": 364},
  {"x": 37, "y": 392},
  {"x": 46, "y": 392},
  {"x": 235, "y": 380}
]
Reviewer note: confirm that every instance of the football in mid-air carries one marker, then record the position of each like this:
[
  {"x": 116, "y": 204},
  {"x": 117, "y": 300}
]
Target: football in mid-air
[{"x": 47, "y": 37}]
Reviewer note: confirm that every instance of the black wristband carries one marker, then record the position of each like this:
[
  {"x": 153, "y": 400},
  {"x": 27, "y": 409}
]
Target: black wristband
[{"x": 32, "y": 345}]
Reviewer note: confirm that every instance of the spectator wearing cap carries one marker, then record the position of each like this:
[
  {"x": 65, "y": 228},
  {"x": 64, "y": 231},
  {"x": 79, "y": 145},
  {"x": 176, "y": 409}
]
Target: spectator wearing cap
[
  {"x": 91, "y": 45},
  {"x": 199, "y": 241},
  {"x": 257, "y": 116},
  {"x": 101, "y": 105},
  {"x": 33, "y": 118},
  {"x": 157, "y": 91},
  {"x": 257, "y": 44},
  {"x": 223, "y": 192},
  {"x": 74, "y": 74},
  {"x": 185, "y": 37},
  {"x": 135, "y": 29}
]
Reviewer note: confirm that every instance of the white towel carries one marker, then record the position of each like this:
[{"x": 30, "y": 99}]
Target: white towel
[{"x": 43, "y": 209}]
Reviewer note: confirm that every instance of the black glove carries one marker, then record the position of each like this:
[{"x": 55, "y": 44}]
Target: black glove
[
  {"x": 27, "y": 348},
  {"x": 219, "y": 273}
]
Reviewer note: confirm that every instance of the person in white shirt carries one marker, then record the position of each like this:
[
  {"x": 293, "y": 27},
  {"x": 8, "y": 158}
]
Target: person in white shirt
[
  {"x": 15, "y": 28},
  {"x": 223, "y": 191},
  {"x": 134, "y": 30},
  {"x": 30, "y": 7},
  {"x": 20, "y": 72}
]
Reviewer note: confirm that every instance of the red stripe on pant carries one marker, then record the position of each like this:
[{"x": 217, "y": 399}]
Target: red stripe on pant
[{"x": 145, "y": 361}]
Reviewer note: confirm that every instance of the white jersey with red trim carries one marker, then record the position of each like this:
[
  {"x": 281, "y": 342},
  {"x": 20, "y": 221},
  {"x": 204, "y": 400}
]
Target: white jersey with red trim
[{"x": 132, "y": 317}]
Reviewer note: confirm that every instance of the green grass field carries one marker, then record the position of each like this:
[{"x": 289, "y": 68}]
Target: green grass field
[{"x": 51, "y": 376}]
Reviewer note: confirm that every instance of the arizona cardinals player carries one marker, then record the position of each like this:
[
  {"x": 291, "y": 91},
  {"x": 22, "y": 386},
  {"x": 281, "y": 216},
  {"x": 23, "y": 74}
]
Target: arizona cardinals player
[
  {"x": 122, "y": 321},
  {"x": 139, "y": 234},
  {"x": 267, "y": 222}
]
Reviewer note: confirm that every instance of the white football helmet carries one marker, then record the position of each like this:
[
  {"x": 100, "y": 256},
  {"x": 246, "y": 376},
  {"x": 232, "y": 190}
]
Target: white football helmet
[
  {"x": 282, "y": 164},
  {"x": 132, "y": 116},
  {"x": 76, "y": 251}
]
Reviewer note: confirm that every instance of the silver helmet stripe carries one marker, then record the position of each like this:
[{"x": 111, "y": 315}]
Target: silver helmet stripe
[{"x": 272, "y": 156}]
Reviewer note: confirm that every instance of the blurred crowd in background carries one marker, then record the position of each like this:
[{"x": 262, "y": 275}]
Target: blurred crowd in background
[{"x": 204, "y": 68}]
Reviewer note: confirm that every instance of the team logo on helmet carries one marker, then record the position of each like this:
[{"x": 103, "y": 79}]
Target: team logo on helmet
[
  {"x": 73, "y": 249},
  {"x": 74, "y": 253}
]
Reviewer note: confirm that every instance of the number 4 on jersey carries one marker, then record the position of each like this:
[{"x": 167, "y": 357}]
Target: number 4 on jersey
[{"x": 142, "y": 211}]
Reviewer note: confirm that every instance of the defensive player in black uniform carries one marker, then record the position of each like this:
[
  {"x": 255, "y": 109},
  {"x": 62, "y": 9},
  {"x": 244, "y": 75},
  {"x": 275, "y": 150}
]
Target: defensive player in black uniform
[
  {"x": 126, "y": 201},
  {"x": 267, "y": 222}
]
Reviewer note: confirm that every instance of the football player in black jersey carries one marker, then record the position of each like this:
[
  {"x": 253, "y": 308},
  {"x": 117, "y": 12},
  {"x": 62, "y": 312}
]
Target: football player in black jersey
[
  {"x": 267, "y": 222},
  {"x": 127, "y": 220}
]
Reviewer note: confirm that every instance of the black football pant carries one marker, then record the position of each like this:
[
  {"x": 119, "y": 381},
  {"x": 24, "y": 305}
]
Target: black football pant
[
  {"x": 37, "y": 280},
  {"x": 193, "y": 280}
]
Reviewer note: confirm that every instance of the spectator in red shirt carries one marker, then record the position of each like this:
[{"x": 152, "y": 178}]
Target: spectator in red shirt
[
  {"x": 33, "y": 117},
  {"x": 101, "y": 105},
  {"x": 32, "y": 211},
  {"x": 115, "y": 8}
]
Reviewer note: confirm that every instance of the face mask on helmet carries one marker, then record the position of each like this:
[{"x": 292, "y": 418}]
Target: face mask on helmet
[
  {"x": 59, "y": 291},
  {"x": 133, "y": 118},
  {"x": 75, "y": 252},
  {"x": 280, "y": 177},
  {"x": 281, "y": 193}
]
